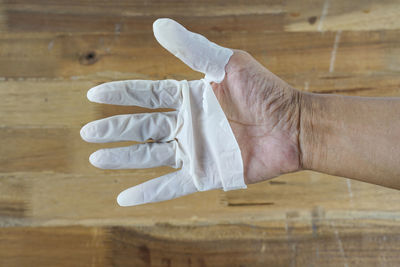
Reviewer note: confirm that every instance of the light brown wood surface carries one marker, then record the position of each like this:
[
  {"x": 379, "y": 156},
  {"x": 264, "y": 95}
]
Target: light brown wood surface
[{"x": 58, "y": 210}]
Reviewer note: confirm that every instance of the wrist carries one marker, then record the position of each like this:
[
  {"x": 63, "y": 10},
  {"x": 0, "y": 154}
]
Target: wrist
[{"x": 311, "y": 133}]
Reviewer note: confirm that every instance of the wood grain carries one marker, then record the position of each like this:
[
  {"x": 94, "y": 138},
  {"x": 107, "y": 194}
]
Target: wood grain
[
  {"x": 147, "y": 246},
  {"x": 304, "y": 59},
  {"x": 58, "y": 210}
]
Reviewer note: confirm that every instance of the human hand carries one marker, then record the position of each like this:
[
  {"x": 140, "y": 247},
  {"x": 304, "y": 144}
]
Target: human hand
[
  {"x": 197, "y": 136},
  {"x": 264, "y": 114}
]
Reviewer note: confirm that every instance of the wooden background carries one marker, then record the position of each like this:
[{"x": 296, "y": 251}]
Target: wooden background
[{"x": 58, "y": 210}]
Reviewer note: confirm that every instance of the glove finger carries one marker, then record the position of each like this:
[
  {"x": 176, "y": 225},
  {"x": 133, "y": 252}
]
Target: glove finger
[
  {"x": 143, "y": 93},
  {"x": 193, "y": 49},
  {"x": 159, "y": 126},
  {"x": 139, "y": 156},
  {"x": 166, "y": 187}
]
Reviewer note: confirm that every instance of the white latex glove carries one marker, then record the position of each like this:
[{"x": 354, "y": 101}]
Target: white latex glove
[{"x": 196, "y": 137}]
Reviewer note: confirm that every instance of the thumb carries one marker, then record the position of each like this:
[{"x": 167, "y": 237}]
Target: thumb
[{"x": 193, "y": 49}]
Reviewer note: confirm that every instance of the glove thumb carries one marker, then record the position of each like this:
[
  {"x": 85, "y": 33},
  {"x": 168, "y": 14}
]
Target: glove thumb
[{"x": 193, "y": 49}]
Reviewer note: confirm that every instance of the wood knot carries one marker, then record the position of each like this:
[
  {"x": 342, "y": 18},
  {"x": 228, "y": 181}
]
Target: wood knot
[
  {"x": 88, "y": 58},
  {"x": 312, "y": 20}
]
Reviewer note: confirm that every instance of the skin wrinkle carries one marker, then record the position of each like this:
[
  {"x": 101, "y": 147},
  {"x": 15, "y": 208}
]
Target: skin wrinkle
[
  {"x": 313, "y": 131},
  {"x": 263, "y": 113},
  {"x": 306, "y": 126},
  {"x": 353, "y": 137}
]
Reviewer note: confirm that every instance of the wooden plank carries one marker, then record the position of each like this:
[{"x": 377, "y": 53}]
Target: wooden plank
[
  {"x": 218, "y": 245},
  {"x": 259, "y": 246},
  {"x": 22, "y": 21},
  {"x": 68, "y": 246},
  {"x": 46, "y": 149},
  {"x": 327, "y": 15},
  {"x": 133, "y": 16},
  {"x": 51, "y": 198},
  {"x": 100, "y": 57},
  {"x": 157, "y": 7}
]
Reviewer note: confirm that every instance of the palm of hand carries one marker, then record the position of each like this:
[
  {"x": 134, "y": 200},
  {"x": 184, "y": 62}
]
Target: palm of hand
[{"x": 263, "y": 112}]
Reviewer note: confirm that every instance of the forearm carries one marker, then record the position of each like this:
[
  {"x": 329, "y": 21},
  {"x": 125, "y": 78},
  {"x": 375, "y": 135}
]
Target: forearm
[{"x": 354, "y": 137}]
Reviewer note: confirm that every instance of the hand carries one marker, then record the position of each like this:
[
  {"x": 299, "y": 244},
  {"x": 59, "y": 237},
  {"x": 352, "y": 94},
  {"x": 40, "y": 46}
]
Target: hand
[
  {"x": 249, "y": 134},
  {"x": 263, "y": 112}
]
